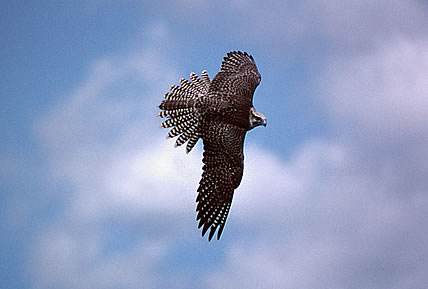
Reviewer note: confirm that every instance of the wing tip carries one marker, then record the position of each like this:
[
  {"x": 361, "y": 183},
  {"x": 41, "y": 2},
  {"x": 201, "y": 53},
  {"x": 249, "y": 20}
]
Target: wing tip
[
  {"x": 234, "y": 60},
  {"x": 213, "y": 230}
]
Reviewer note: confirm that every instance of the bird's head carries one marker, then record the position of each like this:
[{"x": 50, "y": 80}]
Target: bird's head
[{"x": 256, "y": 118}]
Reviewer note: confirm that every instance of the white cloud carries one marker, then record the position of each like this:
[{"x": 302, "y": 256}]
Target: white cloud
[
  {"x": 271, "y": 183},
  {"x": 348, "y": 213},
  {"x": 104, "y": 142},
  {"x": 313, "y": 28},
  {"x": 325, "y": 225},
  {"x": 382, "y": 92},
  {"x": 74, "y": 257},
  {"x": 109, "y": 147}
]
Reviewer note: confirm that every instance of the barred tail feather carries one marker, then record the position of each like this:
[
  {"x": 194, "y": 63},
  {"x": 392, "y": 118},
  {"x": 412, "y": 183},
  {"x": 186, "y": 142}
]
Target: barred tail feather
[
  {"x": 181, "y": 128},
  {"x": 192, "y": 141},
  {"x": 179, "y": 109},
  {"x": 175, "y": 121}
]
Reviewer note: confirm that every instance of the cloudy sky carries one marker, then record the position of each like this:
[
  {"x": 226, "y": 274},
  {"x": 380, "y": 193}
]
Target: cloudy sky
[{"x": 335, "y": 188}]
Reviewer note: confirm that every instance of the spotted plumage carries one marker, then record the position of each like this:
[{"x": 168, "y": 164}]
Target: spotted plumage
[{"x": 220, "y": 112}]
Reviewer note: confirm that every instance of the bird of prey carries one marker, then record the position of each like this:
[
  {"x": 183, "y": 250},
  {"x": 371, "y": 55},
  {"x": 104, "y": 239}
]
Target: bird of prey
[{"x": 220, "y": 112}]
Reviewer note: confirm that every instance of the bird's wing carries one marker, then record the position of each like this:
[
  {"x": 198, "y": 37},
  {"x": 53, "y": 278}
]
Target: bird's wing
[
  {"x": 237, "y": 79},
  {"x": 222, "y": 173}
]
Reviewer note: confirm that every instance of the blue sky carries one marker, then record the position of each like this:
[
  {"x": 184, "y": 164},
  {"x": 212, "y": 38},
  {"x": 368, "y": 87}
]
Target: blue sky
[{"x": 334, "y": 193}]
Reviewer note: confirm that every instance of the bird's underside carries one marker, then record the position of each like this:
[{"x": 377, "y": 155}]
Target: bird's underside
[{"x": 220, "y": 112}]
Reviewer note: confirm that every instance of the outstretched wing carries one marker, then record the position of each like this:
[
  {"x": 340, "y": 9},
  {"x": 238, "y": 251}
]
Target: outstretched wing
[
  {"x": 237, "y": 80},
  {"x": 222, "y": 174}
]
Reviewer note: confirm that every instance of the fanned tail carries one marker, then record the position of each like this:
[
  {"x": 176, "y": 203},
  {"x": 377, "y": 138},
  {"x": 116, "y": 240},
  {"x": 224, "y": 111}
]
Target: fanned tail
[{"x": 179, "y": 109}]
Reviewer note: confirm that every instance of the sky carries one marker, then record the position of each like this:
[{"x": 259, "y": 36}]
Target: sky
[{"x": 335, "y": 188}]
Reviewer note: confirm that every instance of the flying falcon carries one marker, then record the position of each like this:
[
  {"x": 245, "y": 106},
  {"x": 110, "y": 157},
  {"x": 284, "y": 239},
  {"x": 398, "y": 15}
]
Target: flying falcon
[{"x": 220, "y": 112}]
